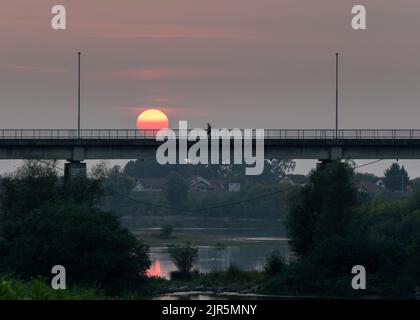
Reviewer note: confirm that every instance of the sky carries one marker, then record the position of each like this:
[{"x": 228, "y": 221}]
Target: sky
[{"x": 233, "y": 63}]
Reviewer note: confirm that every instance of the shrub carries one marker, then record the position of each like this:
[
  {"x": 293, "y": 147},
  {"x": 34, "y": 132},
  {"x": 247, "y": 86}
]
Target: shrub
[
  {"x": 37, "y": 289},
  {"x": 184, "y": 257},
  {"x": 166, "y": 231},
  {"x": 274, "y": 264}
]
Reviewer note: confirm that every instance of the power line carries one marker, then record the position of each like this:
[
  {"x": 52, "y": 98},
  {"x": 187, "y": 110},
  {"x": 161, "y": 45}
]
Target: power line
[
  {"x": 229, "y": 204},
  {"x": 368, "y": 164},
  {"x": 156, "y": 205}
]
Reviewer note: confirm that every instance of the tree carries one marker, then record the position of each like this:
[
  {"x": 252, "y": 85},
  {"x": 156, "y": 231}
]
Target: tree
[
  {"x": 176, "y": 190},
  {"x": 184, "y": 257},
  {"x": 84, "y": 190},
  {"x": 115, "y": 185},
  {"x": 36, "y": 183},
  {"x": 31, "y": 185},
  {"x": 112, "y": 178},
  {"x": 166, "y": 231},
  {"x": 45, "y": 223},
  {"x": 323, "y": 208},
  {"x": 396, "y": 178},
  {"x": 90, "y": 244}
]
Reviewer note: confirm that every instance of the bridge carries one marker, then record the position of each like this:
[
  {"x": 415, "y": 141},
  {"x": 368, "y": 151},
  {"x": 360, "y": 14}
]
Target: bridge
[{"x": 93, "y": 144}]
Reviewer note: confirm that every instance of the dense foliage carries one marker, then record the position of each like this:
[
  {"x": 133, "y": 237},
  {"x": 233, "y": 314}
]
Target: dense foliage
[
  {"x": 396, "y": 178},
  {"x": 323, "y": 208},
  {"x": 176, "y": 191},
  {"x": 332, "y": 229},
  {"x": 44, "y": 223}
]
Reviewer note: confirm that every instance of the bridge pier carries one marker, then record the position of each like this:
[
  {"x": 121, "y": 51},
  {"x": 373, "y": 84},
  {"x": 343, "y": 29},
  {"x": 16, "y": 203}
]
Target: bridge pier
[
  {"x": 322, "y": 163},
  {"x": 74, "y": 169}
]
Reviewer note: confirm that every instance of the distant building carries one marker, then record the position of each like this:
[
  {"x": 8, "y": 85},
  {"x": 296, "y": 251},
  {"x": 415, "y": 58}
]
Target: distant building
[
  {"x": 234, "y": 186},
  {"x": 369, "y": 187},
  {"x": 195, "y": 184},
  {"x": 295, "y": 180},
  {"x": 199, "y": 184},
  {"x": 410, "y": 189},
  {"x": 149, "y": 184},
  {"x": 380, "y": 183},
  {"x": 217, "y": 185}
]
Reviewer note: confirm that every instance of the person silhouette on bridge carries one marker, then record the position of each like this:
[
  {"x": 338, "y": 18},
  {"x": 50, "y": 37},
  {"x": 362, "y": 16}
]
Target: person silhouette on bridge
[{"x": 208, "y": 130}]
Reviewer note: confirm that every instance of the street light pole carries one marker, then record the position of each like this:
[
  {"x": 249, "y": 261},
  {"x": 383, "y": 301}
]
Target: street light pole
[
  {"x": 78, "y": 98},
  {"x": 336, "y": 94}
]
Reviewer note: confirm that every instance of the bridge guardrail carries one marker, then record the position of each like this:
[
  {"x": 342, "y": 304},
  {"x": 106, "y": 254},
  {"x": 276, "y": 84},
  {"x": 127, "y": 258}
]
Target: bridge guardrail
[{"x": 284, "y": 134}]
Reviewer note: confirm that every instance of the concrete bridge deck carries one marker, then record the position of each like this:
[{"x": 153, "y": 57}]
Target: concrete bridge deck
[{"x": 322, "y": 144}]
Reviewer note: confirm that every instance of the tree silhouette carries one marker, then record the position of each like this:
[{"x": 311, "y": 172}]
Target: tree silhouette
[{"x": 396, "y": 178}]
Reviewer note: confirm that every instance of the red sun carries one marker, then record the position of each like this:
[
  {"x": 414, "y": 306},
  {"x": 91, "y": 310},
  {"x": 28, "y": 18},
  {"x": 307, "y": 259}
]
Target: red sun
[{"x": 152, "y": 119}]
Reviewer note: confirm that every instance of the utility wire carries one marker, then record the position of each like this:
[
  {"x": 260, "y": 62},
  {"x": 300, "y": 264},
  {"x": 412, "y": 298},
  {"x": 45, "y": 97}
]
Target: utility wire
[
  {"x": 151, "y": 204},
  {"x": 368, "y": 164},
  {"x": 229, "y": 204}
]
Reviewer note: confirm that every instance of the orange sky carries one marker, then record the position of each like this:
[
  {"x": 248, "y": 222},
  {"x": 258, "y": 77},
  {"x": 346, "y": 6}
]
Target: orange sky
[
  {"x": 224, "y": 61},
  {"x": 234, "y": 63}
]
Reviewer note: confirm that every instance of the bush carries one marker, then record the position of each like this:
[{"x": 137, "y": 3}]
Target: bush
[
  {"x": 233, "y": 277},
  {"x": 90, "y": 244},
  {"x": 37, "y": 289},
  {"x": 234, "y": 274},
  {"x": 182, "y": 276},
  {"x": 274, "y": 264},
  {"x": 184, "y": 257},
  {"x": 166, "y": 231}
]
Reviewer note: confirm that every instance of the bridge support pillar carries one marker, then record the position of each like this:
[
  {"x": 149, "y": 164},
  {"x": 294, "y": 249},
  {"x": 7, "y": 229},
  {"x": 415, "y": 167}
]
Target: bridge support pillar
[
  {"x": 74, "y": 169},
  {"x": 322, "y": 163}
]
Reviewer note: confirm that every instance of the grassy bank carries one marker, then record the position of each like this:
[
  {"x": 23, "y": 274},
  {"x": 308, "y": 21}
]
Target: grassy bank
[
  {"x": 38, "y": 289},
  {"x": 231, "y": 280}
]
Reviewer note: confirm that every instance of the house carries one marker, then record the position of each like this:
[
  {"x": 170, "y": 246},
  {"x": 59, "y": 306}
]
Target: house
[
  {"x": 149, "y": 184},
  {"x": 380, "y": 183},
  {"x": 199, "y": 184},
  {"x": 295, "y": 180},
  {"x": 234, "y": 186},
  {"x": 195, "y": 184},
  {"x": 217, "y": 185},
  {"x": 410, "y": 189},
  {"x": 369, "y": 187}
]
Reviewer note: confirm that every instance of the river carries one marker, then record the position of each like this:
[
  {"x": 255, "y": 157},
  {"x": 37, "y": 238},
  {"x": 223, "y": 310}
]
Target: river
[{"x": 248, "y": 254}]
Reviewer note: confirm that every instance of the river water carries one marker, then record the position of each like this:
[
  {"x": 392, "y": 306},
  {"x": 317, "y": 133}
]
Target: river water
[
  {"x": 248, "y": 254},
  {"x": 246, "y": 248}
]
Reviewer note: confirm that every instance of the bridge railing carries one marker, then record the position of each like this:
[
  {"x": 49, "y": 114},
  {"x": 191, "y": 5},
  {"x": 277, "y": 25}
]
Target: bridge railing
[{"x": 284, "y": 134}]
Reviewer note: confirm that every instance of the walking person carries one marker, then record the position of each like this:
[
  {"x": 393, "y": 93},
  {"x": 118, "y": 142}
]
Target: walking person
[{"x": 208, "y": 130}]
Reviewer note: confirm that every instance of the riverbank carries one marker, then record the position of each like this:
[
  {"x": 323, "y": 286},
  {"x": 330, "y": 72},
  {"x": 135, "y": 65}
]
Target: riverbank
[
  {"x": 153, "y": 238},
  {"x": 233, "y": 280}
]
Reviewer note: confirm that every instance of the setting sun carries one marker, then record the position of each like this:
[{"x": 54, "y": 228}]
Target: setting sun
[{"x": 152, "y": 119}]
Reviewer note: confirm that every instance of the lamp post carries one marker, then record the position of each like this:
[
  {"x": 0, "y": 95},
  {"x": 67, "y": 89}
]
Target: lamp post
[
  {"x": 78, "y": 97},
  {"x": 336, "y": 94}
]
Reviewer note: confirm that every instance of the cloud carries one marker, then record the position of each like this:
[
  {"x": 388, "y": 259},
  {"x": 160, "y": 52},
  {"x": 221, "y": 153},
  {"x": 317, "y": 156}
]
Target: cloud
[
  {"x": 32, "y": 68},
  {"x": 138, "y": 31},
  {"x": 154, "y": 73},
  {"x": 172, "y": 111}
]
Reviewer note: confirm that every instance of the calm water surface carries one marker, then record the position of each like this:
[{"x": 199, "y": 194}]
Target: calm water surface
[{"x": 249, "y": 254}]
